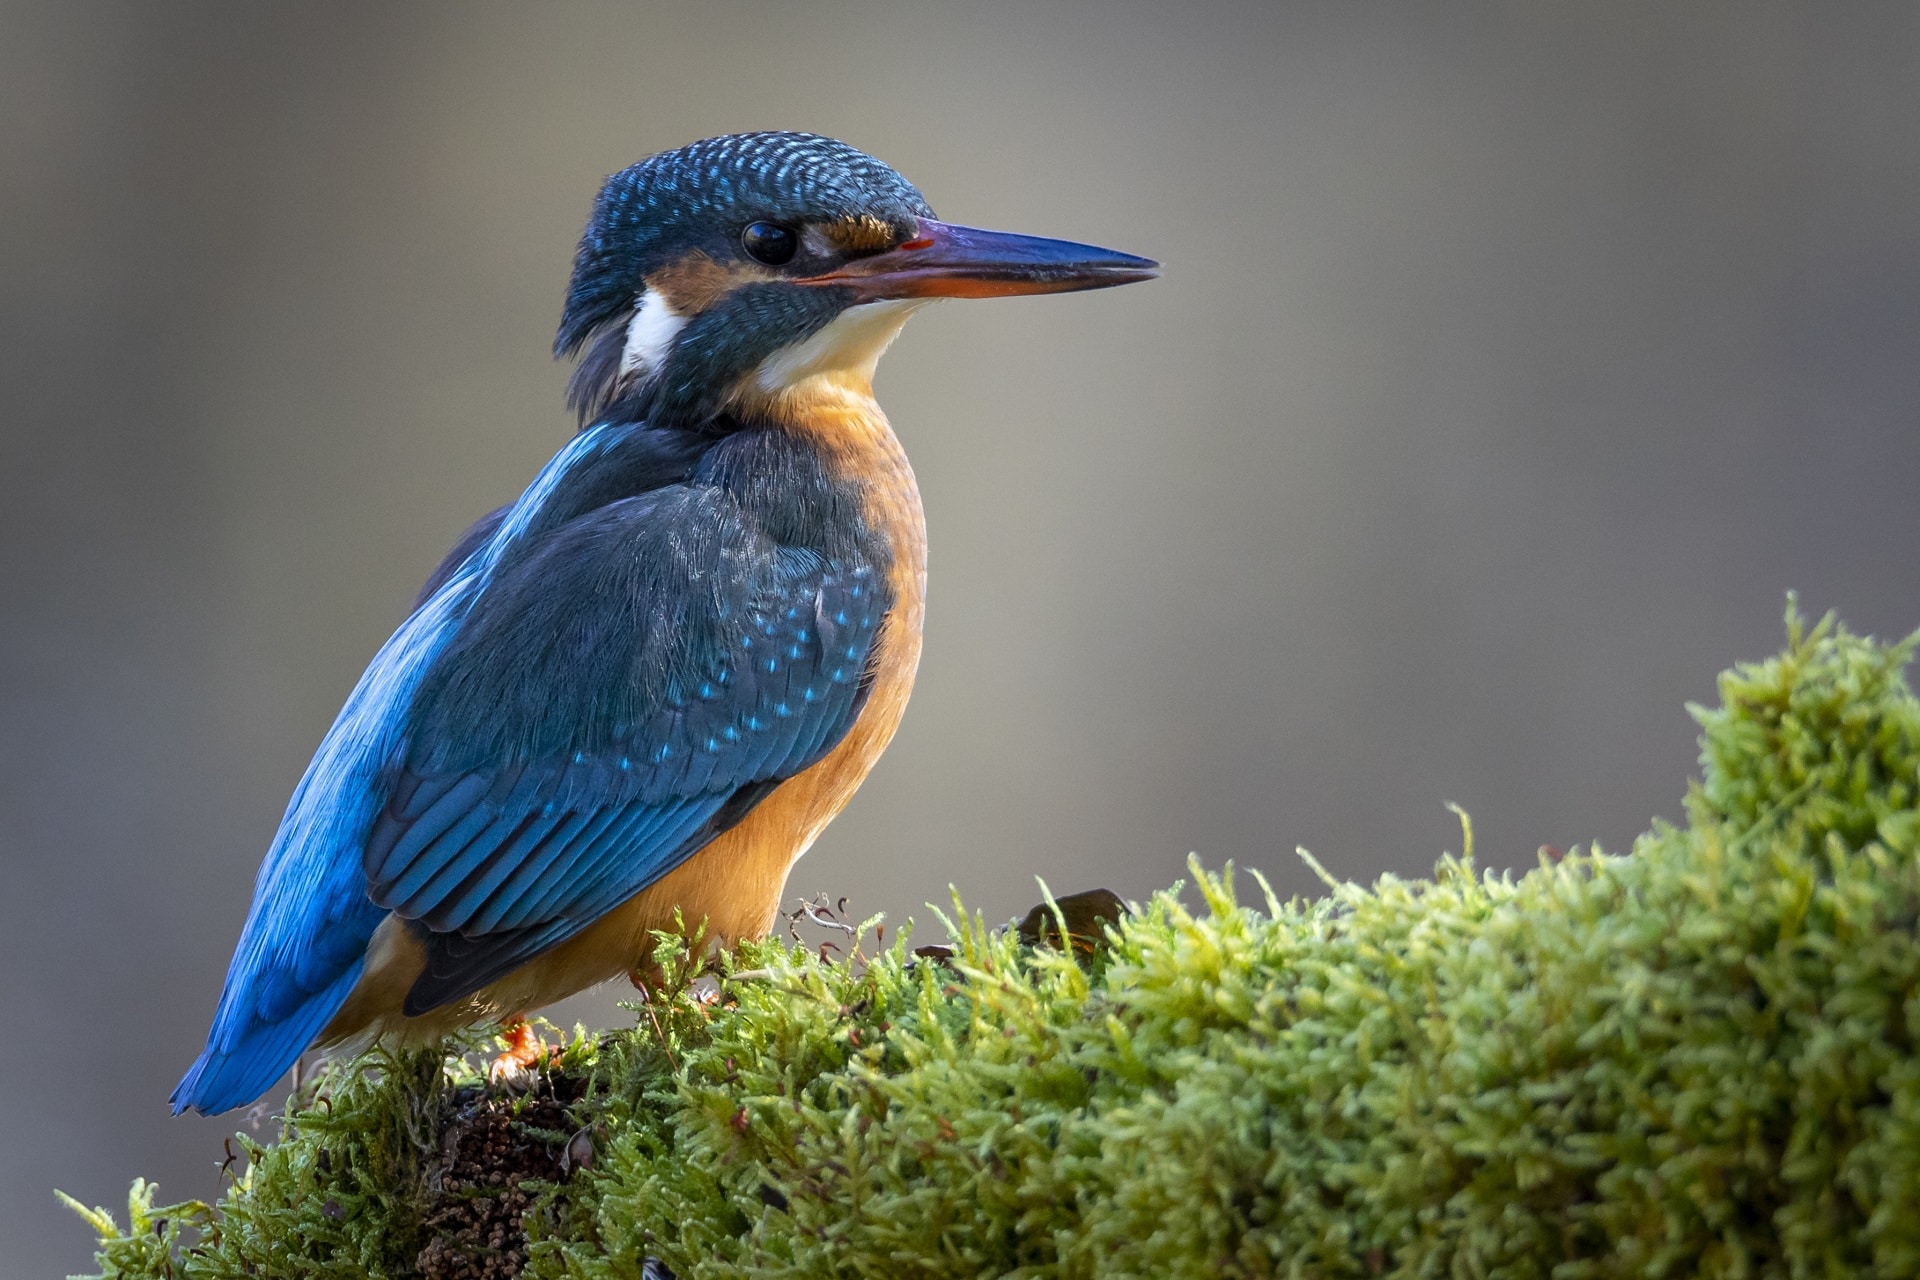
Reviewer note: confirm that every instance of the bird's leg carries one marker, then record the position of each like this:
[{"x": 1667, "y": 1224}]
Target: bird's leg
[
  {"x": 647, "y": 979},
  {"x": 525, "y": 1051}
]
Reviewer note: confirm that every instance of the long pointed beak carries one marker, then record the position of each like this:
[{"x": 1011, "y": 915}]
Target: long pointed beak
[{"x": 947, "y": 261}]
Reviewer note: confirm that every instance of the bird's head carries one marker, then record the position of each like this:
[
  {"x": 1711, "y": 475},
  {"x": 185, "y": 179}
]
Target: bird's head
[{"x": 726, "y": 274}]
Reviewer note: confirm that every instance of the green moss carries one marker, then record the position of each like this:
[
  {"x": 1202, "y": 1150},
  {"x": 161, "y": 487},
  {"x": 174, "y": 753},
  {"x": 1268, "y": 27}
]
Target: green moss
[{"x": 1695, "y": 1059}]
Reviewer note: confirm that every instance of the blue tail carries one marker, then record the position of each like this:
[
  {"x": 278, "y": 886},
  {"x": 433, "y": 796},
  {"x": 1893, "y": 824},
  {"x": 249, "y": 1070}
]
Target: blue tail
[
  {"x": 223, "y": 1078},
  {"x": 304, "y": 944}
]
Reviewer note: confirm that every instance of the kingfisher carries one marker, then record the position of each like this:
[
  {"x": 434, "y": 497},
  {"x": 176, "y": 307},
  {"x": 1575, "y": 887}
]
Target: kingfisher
[{"x": 630, "y": 699}]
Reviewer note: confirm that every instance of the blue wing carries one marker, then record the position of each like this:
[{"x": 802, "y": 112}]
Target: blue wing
[
  {"x": 615, "y": 699},
  {"x": 304, "y": 943},
  {"x": 581, "y": 700}
]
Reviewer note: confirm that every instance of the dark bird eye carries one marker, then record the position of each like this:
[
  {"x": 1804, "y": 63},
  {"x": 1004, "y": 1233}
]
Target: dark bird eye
[{"x": 769, "y": 242}]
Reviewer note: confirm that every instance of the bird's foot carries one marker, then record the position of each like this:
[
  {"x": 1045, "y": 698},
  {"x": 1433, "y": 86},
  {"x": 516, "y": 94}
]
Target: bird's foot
[{"x": 525, "y": 1051}]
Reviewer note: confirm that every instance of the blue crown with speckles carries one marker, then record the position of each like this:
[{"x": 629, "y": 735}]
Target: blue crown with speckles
[{"x": 677, "y": 200}]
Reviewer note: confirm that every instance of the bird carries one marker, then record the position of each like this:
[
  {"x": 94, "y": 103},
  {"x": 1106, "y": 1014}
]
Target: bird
[{"x": 637, "y": 693}]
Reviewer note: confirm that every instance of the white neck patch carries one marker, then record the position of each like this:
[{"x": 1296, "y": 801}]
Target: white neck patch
[
  {"x": 851, "y": 344},
  {"x": 650, "y": 335}
]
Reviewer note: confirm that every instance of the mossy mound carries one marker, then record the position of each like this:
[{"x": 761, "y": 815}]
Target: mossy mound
[{"x": 1695, "y": 1059}]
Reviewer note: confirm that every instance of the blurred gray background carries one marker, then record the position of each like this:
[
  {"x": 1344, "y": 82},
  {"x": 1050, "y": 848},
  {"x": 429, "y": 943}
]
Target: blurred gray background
[{"x": 1511, "y": 362}]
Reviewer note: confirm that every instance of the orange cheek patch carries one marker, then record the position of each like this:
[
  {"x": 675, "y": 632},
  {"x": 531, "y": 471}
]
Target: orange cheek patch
[
  {"x": 864, "y": 234},
  {"x": 697, "y": 282}
]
